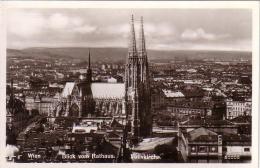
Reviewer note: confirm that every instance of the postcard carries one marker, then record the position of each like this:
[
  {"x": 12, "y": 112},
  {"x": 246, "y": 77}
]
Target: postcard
[{"x": 170, "y": 83}]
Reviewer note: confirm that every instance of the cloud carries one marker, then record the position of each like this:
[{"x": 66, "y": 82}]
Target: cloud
[
  {"x": 117, "y": 29},
  {"x": 25, "y": 24},
  {"x": 150, "y": 30},
  {"x": 85, "y": 29},
  {"x": 159, "y": 29},
  {"x": 58, "y": 21},
  {"x": 164, "y": 28},
  {"x": 197, "y": 34}
]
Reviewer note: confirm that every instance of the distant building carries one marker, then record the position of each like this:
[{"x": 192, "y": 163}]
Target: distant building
[
  {"x": 192, "y": 109},
  {"x": 42, "y": 104},
  {"x": 16, "y": 114},
  {"x": 157, "y": 100},
  {"x": 172, "y": 97},
  {"x": 38, "y": 83},
  {"x": 244, "y": 124},
  {"x": 238, "y": 108}
]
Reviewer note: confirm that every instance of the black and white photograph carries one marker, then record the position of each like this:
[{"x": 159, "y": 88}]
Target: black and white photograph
[{"x": 130, "y": 84}]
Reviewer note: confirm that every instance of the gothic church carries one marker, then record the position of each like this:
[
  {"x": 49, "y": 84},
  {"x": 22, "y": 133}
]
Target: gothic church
[{"x": 131, "y": 99}]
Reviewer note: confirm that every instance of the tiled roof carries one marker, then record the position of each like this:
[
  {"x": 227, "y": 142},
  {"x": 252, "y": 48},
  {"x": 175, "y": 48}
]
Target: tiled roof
[
  {"x": 242, "y": 119},
  {"x": 108, "y": 90},
  {"x": 99, "y": 90},
  {"x": 68, "y": 89}
]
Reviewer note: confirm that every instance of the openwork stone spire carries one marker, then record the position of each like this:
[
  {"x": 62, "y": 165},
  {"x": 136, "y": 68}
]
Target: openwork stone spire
[
  {"x": 142, "y": 48},
  {"x": 132, "y": 43}
]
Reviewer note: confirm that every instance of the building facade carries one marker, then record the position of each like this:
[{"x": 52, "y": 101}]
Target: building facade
[
  {"x": 238, "y": 108},
  {"x": 41, "y": 104}
]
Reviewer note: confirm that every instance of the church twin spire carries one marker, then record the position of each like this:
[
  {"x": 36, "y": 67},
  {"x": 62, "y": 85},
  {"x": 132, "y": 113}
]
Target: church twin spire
[
  {"x": 132, "y": 50},
  {"x": 136, "y": 79},
  {"x": 137, "y": 59}
]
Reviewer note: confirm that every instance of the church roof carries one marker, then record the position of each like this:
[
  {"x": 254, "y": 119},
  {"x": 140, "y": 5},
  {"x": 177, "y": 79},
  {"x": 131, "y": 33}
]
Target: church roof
[
  {"x": 99, "y": 90},
  {"x": 108, "y": 90},
  {"x": 68, "y": 89}
]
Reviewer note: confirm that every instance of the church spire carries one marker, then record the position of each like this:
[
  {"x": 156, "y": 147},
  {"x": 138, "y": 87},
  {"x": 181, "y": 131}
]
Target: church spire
[
  {"x": 132, "y": 43},
  {"x": 89, "y": 71},
  {"x": 142, "y": 48},
  {"x": 142, "y": 55},
  {"x": 89, "y": 59}
]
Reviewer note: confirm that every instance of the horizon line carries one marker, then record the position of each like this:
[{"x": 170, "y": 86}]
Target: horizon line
[{"x": 87, "y": 47}]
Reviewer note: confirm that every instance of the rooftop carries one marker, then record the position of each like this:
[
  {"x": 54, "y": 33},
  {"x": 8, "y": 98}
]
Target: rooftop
[
  {"x": 207, "y": 122},
  {"x": 108, "y": 90},
  {"x": 99, "y": 90},
  {"x": 69, "y": 86},
  {"x": 170, "y": 93},
  {"x": 242, "y": 119},
  {"x": 202, "y": 134}
]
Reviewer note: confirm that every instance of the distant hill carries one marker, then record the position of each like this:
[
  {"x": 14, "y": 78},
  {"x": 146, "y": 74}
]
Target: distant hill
[{"x": 120, "y": 54}]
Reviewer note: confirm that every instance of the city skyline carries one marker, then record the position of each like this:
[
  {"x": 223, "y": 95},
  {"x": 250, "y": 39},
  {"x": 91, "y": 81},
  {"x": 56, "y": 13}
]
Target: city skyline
[{"x": 178, "y": 29}]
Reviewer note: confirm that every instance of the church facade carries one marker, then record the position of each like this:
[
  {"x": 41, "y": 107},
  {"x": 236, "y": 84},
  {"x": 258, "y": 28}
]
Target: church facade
[{"x": 131, "y": 99}]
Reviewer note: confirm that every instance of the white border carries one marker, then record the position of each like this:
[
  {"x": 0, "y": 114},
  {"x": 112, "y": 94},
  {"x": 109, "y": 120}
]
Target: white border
[{"x": 253, "y": 5}]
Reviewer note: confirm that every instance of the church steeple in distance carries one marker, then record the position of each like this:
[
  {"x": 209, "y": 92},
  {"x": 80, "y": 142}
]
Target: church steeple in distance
[{"x": 89, "y": 71}]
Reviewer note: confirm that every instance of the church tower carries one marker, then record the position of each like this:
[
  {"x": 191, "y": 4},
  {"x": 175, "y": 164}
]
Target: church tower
[
  {"x": 137, "y": 85},
  {"x": 87, "y": 102},
  {"x": 132, "y": 81},
  {"x": 89, "y": 71},
  {"x": 145, "y": 114}
]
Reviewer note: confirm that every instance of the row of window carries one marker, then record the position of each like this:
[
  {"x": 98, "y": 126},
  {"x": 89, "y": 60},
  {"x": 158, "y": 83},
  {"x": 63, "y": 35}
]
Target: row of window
[
  {"x": 237, "y": 108},
  {"x": 186, "y": 110},
  {"x": 203, "y": 149},
  {"x": 239, "y": 103}
]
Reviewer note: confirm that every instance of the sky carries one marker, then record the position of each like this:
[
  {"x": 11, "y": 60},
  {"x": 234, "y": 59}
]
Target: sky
[{"x": 165, "y": 29}]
